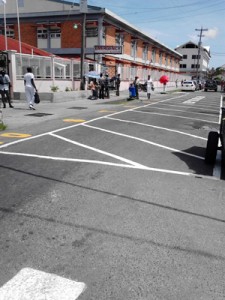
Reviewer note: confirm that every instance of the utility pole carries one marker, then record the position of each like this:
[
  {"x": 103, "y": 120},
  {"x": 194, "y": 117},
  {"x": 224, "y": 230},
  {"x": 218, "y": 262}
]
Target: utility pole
[
  {"x": 83, "y": 9},
  {"x": 199, "y": 49}
]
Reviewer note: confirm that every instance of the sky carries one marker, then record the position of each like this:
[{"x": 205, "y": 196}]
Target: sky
[{"x": 174, "y": 22}]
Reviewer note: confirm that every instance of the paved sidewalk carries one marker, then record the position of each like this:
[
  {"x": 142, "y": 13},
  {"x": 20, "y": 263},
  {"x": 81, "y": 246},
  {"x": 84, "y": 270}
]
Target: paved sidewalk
[{"x": 16, "y": 117}]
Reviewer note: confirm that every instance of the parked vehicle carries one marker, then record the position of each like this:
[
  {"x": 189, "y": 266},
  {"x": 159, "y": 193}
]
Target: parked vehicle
[
  {"x": 188, "y": 86},
  {"x": 210, "y": 85}
]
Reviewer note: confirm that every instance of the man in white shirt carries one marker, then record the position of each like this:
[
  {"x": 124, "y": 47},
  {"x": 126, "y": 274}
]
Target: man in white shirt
[
  {"x": 4, "y": 89},
  {"x": 150, "y": 87},
  {"x": 30, "y": 87}
]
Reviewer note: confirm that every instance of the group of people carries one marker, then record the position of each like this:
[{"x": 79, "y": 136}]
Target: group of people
[
  {"x": 29, "y": 85},
  {"x": 100, "y": 87},
  {"x": 134, "y": 88}
]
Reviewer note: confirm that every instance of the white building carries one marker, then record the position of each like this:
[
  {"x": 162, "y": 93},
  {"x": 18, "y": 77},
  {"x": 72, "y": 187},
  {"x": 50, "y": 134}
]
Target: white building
[{"x": 195, "y": 60}]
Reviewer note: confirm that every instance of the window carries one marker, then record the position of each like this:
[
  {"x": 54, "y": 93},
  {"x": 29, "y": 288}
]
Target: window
[
  {"x": 183, "y": 66},
  {"x": 120, "y": 40},
  {"x": 42, "y": 34},
  {"x": 55, "y": 33},
  {"x": 185, "y": 56},
  {"x": 196, "y": 56},
  {"x": 91, "y": 31},
  {"x": 153, "y": 55},
  {"x": 195, "y": 66},
  {"x": 145, "y": 52},
  {"x": 133, "y": 48}
]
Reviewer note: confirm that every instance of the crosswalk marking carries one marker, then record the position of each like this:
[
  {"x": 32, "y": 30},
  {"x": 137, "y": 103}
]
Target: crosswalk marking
[{"x": 37, "y": 285}]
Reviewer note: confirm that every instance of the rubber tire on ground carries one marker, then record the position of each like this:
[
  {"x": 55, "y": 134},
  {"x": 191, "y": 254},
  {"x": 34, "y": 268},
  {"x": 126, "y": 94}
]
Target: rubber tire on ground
[{"x": 211, "y": 148}]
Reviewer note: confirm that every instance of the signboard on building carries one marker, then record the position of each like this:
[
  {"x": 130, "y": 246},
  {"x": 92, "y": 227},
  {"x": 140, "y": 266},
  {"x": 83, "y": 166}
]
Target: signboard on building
[
  {"x": 108, "y": 49},
  {"x": 83, "y": 6}
]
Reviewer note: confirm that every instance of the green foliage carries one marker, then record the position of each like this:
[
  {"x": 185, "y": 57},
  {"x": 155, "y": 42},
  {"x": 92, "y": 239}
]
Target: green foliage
[
  {"x": 2, "y": 126},
  {"x": 54, "y": 88},
  {"x": 67, "y": 89}
]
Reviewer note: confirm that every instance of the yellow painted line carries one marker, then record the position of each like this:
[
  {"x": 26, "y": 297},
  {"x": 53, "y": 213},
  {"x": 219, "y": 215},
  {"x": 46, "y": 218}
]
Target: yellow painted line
[
  {"x": 74, "y": 120},
  {"x": 106, "y": 111},
  {"x": 15, "y": 135},
  {"x": 1, "y": 143}
]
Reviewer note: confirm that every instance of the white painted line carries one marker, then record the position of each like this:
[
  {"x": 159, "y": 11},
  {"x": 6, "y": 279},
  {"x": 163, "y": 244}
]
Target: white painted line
[
  {"x": 97, "y": 150},
  {"x": 184, "y": 111},
  {"x": 191, "y": 106},
  {"x": 138, "y": 167},
  {"x": 76, "y": 125},
  {"x": 181, "y": 117},
  {"x": 194, "y": 100},
  {"x": 30, "y": 284},
  {"x": 56, "y": 158},
  {"x": 144, "y": 141},
  {"x": 158, "y": 127}
]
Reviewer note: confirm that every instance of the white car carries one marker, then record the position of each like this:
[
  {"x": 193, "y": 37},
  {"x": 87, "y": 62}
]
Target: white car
[{"x": 188, "y": 86}]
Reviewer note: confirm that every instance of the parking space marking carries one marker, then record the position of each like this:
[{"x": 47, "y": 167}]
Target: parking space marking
[
  {"x": 97, "y": 150},
  {"x": 157, "y": 127},
  {"x": 15, "y": 135},
  {"x": 34, "y": 284},
  {"x": 191, "y": 106},
  {"x": 184, "y": 111},
  {"x": 144, "y": 141},
  {"x": 167, "y": 115},
  {"x": 194, "y": 100},
  {"x": 139, "y": 167}
]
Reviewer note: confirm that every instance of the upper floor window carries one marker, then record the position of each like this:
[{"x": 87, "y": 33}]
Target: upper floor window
[
  {"x": 42, "y": 34},
  {"x": 196, "y": 56},
  {"x": 120, "y": 40},
  {"x": 145, "y": 53},
  {"x": 133, "y": 48},
  {"x": 185, "y": 56},
  {"x": 91, "y": 31},
  {"x": 153, "y": 55},
  {"x": 183, "y": 66}
]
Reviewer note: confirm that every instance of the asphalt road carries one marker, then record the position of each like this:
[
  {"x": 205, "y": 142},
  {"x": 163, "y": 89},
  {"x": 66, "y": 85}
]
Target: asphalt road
[{"x": 117, "y": 197}]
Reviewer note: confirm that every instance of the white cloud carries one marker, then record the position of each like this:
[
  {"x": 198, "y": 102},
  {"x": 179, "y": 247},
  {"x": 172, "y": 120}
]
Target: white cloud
[{"x": 211, "y": 33}]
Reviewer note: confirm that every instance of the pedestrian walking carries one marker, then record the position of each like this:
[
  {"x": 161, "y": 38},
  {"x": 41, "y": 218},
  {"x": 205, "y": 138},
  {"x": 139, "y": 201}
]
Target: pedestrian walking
[
  {"x": 117, "y": 82},
  {"x": 136, "y": 85},
  {"x": 101, "y": 87},
  {"x": 30, "y": 87},
  {"x": 106, "y": 86},
  {"x": 150, "y": 86},
  {"x": 5, "y": 89}
]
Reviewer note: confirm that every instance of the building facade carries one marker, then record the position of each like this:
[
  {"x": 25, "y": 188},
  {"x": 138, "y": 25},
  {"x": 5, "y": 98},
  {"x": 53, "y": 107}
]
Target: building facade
[
  {"x": 56, "y": 26},
  {"x": 195, "y": 60}
]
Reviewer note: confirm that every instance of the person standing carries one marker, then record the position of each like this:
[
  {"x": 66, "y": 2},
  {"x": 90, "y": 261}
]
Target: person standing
[
  {"x": 101, "y": 87},
  {"x": 30, "y": 87},
  {"x": 136, "y": 85},
  {"x": 106, "y": 85},
  {"x": 117, "y": 85},
  {"x": 149, "y": 86},
  {"x": 4, "y": 89}
]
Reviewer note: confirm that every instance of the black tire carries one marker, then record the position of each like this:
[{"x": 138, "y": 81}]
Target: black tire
[{"x": 211, "y": 148}]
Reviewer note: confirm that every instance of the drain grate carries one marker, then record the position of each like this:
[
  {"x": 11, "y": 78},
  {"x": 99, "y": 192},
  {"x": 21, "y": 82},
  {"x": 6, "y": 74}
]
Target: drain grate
[
  {"x": 38, "y": 115},
  {"x": 77, "y": 107}
]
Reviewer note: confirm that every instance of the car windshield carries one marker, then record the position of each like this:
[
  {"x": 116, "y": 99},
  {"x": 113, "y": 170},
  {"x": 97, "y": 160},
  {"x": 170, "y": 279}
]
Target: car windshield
[{"x": 188, "y": 82}]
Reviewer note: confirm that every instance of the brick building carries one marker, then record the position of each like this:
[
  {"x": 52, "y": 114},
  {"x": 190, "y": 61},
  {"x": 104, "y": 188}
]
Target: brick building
[{"x": 56, "y": 27}]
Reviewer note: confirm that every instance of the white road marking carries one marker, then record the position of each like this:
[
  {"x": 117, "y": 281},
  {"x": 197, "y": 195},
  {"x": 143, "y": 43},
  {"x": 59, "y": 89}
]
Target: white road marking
[
  {"x": 138, "y": 167},
  {"x": 158, "y": 127},
  {"x": 97, "y": 150},
  {"x": 194, "y": 100},
  {"x": 184, "y": 111},
  {"x": 144, "y": 141},
  {"x": 191, "y": 106},
  {"x": 30, "y": 284},
  {"x": 181, "y": 117}
]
